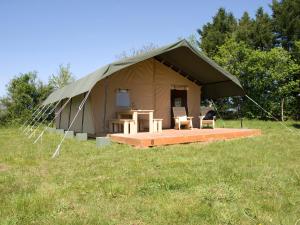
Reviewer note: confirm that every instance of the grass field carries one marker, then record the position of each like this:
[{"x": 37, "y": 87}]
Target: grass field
[{"x": 245, "y": 181}]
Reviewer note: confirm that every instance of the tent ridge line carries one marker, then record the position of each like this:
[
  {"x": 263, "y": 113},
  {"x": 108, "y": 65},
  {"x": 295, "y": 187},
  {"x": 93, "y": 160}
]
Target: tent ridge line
[
  {"x": 88, "y": 82},
  {"x": 211, "y": 83}
]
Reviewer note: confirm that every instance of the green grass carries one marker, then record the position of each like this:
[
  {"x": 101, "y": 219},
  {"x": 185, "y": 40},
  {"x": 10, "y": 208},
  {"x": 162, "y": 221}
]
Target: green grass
[{"x": 244, "y": 181}]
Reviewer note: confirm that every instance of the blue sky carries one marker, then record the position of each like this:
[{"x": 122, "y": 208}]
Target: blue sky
[{"x": 40, "y": 35}]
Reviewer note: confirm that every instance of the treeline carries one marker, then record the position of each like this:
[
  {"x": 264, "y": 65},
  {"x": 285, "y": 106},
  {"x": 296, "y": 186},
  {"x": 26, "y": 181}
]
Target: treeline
[
  {"x": 25, "y": 92},
  {"x": 263, "y": 52}
]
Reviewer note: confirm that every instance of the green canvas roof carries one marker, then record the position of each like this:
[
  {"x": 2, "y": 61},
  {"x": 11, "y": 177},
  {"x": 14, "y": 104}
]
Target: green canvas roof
[{"x": 181, "y": 57}]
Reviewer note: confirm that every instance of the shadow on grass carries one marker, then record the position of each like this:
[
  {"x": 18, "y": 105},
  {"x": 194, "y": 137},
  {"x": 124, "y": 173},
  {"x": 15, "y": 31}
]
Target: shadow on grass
[{"x": 296, "y": 125}]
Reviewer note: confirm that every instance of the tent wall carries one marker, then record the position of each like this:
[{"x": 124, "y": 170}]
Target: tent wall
[
  {"x": 167, "y": 79},
  {"x": 88, "y": 119},
  {"x": 98, "y": 106},
  {"x": 64, "y": 120},
  {"x": 85, "y": 114},
  {"x": 57, "y": 119},
  {"x": 76, "y": 127},
  {"x": 149, "y": 84}
]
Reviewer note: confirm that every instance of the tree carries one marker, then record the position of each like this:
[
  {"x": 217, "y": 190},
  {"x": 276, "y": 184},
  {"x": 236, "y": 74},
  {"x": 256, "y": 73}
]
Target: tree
[
  {"x": 267, "y": 76},
  {"x": 250, "y": 49},
  {"x": 62, "y": 78},
  {"x": 214, "y": 34},
  {"x": 256, "y": 33},
  {"x": 232, "y": 56},
  {"x": 25, "y": 92},
  {"x": 192, "y": 40},
  {"x": 286, "y": 17},
  {"x": 263, "y": 36},
  {"x": 296, "y": 51},
  {"x": 137, "y": 51},
  {"x": 245, "y": 30}
]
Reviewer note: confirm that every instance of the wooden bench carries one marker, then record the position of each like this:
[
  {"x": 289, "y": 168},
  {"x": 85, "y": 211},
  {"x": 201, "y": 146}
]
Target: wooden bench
[
  {"x": 157, "y": 125},
  {"x": 128, "y": 126}
]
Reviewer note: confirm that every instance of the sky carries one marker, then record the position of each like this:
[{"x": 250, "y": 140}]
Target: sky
[{"x": 40, "y": 35}]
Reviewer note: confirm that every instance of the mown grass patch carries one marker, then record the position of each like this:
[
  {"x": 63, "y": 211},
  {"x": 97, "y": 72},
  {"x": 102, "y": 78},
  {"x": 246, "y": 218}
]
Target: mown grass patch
[{"x": 243, "y": 181}]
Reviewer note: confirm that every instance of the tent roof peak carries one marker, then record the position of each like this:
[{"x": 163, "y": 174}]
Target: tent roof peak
[{"x": 180, "y": 54}]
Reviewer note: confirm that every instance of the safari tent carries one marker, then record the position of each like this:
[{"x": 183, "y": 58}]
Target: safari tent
[{"x": 174, "y": 75}]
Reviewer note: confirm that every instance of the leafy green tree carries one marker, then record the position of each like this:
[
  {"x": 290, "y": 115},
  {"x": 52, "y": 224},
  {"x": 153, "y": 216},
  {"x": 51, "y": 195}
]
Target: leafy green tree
[
  {"x": 214, "y": 34},
  {"x": 267, "y": 76},
  {"x": 286, "y": 17},
  {"x": 250, "y": 49},
  {"x": 62, "y": 78},
  {"x": 25, "y": 92},
  {"x": 296, "y": 51}
]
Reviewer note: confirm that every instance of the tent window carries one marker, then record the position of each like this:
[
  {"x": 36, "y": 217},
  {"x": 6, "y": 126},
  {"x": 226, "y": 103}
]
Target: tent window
[{"x": 123, "y": 99}]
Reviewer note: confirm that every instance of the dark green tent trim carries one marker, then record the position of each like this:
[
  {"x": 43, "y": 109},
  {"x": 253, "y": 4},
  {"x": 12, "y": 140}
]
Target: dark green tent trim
[{"x": 181, "y": 57}]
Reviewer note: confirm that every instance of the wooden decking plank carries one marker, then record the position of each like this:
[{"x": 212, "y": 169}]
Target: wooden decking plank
[{"x": 171, "y": 136}]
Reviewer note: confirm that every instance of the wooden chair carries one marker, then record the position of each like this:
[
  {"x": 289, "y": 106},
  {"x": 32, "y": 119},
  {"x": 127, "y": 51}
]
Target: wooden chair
[
  {"x": 205, "y": 119},
  {"x": 181, "y": 118}
]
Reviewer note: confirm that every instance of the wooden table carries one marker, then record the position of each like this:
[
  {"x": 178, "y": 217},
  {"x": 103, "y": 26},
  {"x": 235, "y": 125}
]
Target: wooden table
[{"x": 135, "y": 113}]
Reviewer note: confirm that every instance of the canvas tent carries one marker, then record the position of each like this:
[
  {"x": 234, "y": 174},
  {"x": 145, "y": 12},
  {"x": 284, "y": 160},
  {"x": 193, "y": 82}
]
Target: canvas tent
[{"x": 149, "y": 79}]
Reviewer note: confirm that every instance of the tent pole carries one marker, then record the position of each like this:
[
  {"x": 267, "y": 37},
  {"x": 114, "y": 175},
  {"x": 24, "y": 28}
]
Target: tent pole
[
  {"x": 70, "y": 109},
  {"x": 61, "y": 104},
  {"x": 35, "y": 111},
  {"x": 51, "y": 111},
  {"x": 32, "y": 119},
  {"x": 82, "y": 117},
  {"x": 56, "y": 115},
  {"x": 40, "y": 117},
  {"x": 56, "y": 153},
  {"x": 36, "y": 119},
  {"x": 105, "y": 104},
  {"x": 154, "y": 87}
]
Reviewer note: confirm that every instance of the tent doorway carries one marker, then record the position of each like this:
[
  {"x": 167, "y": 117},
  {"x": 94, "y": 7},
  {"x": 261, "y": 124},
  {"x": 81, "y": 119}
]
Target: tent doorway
[{"x": 178, "y": 99}]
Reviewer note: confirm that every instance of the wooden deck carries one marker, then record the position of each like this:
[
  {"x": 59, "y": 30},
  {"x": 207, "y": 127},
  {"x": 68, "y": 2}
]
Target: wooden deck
[{"x": 171, "y": 136}]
